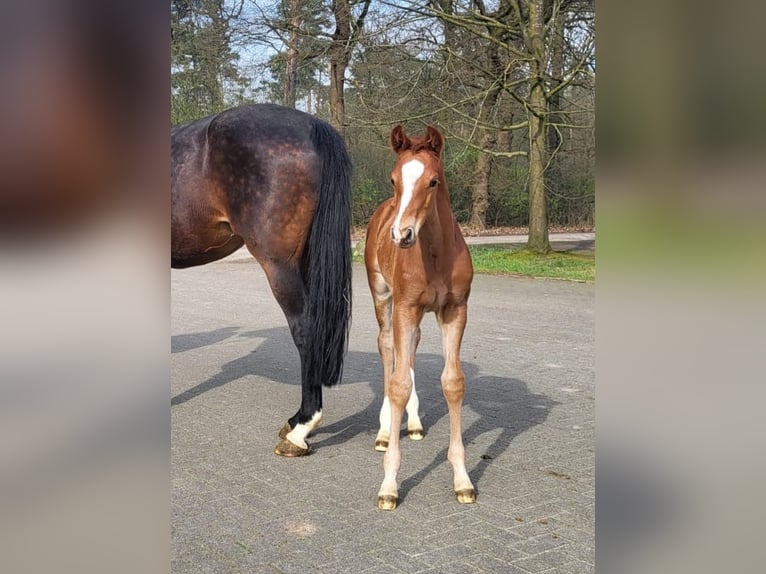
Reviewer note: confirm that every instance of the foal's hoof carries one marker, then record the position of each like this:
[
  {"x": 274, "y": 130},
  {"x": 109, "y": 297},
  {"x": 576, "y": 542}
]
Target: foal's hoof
[
  {"x": 387, "y": 501},
  {"x": 284, "y": 430},
  {"x": 381, "y": 445},
  {"x": 466, "y": 496},
  {"x": 415, "y": 434},
  {"x": 290, "y": 450}
]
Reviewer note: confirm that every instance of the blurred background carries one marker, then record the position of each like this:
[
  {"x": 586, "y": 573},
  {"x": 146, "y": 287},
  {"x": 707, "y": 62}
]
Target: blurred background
[
  {"x": 85, "y": 112},
  {"x": 84, "y": 411},
  {"x": 681, "y": 316}
]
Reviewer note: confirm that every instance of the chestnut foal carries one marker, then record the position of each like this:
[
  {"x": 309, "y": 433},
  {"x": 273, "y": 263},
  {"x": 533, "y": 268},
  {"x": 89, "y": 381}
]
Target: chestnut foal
[{"x": 417, "y": 261}]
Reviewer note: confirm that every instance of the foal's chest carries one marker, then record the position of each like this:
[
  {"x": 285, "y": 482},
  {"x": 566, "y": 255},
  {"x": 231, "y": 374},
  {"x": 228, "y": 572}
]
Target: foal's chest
[
  {"x": 436, "y": 294},
  {"x": 435, "y": 284}
]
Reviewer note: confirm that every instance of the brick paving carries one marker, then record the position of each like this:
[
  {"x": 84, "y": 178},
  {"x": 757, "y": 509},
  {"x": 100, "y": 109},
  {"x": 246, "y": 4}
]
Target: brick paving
[{"x": 528, "y": 355}]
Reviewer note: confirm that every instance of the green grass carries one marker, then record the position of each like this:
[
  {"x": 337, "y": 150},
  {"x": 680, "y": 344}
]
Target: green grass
[
  {"x": 504, "y": 260},
  {"x": 555, "y": 265}
]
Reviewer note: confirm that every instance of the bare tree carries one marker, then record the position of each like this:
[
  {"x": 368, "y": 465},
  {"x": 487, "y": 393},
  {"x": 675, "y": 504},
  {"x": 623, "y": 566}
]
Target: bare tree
[
  {"x": 294, "y": 19},
  {"x": 347, "y": 31},
  {"x": 524, "y": 41}
]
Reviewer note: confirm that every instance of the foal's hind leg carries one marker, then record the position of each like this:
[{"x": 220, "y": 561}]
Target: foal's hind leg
[
  {"x": 414, "y": 425},
  {"x": 452, "y": 322},
  {"x": 383, "y": 309},
  {"x": 289, "y": 290}
]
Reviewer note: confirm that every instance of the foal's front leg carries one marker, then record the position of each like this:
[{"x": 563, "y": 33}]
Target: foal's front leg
[
  {"x": 405, "y": 328},
  {"x": 382, "y": 299},
  {"x": 452, "y": 320}
]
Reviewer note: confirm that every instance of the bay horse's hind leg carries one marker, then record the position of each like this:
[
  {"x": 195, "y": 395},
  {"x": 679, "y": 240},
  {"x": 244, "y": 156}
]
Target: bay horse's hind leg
[
  {"x": 289, "y": 290},
  {"x": 452, "y": 322}
]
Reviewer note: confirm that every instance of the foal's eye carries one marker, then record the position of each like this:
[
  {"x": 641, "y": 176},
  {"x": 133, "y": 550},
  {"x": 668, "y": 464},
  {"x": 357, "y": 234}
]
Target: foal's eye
[
  {"x": 392, "y": 181},
  {"x": 433, "y": 183}
]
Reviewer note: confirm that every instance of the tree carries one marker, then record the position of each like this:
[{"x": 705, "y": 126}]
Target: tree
[
  {"x": 530, "y": 14},
  {"x": 294, "y": 66},
  {"x": 524, "y": 41},
  {"x": 347, "y": 32},
  {"x": 203, "y": 63},
  {"x": 509, "y": 82}
]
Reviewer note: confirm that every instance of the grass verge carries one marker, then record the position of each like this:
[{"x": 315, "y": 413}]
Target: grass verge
[
  {"x": 502, "y": 260},
  {"x": 554, "y": 265}
]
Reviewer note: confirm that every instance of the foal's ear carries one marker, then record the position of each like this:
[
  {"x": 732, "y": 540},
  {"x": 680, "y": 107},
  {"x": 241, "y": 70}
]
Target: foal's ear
[
  {"x": 399, "y": 140},
  {"x": 434, "y": 140}
]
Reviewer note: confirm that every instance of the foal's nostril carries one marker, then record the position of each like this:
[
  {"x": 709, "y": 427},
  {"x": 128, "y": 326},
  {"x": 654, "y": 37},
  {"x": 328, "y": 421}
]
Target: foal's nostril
[
  {"x": 409, "y": 233},
  {"x": 393, "y": 236}
]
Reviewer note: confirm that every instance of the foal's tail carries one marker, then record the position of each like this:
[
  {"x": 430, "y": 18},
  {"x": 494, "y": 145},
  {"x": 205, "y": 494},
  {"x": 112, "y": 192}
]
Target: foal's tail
[{"x": 328, "y": 274}]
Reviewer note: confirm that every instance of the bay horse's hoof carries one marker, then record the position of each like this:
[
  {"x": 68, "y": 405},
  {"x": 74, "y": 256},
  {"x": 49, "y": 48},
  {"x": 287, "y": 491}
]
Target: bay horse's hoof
[
  {"x": 415, "y": 434},
  {"x": 387, "y": 501},
  {"x": 466, "y": 496},
  {"x": 381, "y": 445},
  {"x": 290, "y": 450},
  {"x": 284, "y": 430}
]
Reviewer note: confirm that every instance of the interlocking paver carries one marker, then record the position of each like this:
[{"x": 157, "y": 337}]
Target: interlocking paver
[{"x": 528, "y": 428}]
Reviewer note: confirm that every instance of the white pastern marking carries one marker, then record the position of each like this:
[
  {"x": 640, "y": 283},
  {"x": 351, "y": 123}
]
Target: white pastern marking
[
  {"x": 411, "y": 172},
  {"x": 414, "y": 403},
  {"x": 385, "y": 416},
  {"x": 298, "y": 435}
]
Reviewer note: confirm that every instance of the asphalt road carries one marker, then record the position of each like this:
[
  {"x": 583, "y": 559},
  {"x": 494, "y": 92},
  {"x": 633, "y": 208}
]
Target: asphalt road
[{"x": 528, "y": 355}]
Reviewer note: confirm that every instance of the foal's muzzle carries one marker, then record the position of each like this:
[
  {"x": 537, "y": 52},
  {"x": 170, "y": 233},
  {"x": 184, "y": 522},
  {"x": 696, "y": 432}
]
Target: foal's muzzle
[{"x": 403, "y": 238}]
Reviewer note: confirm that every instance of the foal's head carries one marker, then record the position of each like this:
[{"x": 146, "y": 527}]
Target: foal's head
[{"x": 417, "y": 177}]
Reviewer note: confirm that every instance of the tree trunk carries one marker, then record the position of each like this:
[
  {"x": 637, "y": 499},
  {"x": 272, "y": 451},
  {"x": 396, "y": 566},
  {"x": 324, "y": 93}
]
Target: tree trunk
[
  {"x": 337, "y": 101},
  {"x": 340, "y": 52},
  {"x": 483, "y": 169},
  {"x": 538, "y": 210},
  {"x": 343, "y": 41},
  {"x": 488, "y": 139},
  {"x": 480, "y": 187},
  {"x": 291, "y": 66}
]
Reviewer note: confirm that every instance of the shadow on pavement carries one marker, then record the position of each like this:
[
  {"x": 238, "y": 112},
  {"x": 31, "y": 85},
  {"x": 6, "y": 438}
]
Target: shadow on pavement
[
  {"x": 189, "y": 341},
  {"x": 499, "y": 403},
  {"x": 276, "y": 358}
]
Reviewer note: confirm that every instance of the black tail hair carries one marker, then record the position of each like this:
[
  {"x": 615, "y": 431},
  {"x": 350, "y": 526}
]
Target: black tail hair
[{"x": 328, "y": 274}]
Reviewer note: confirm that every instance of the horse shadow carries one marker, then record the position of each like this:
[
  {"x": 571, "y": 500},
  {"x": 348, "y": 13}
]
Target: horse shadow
[
  {"x": 276, "y": 358},
  {"x": 190, "y": 341},
  {"x": 501, "y": 404},
  {"x": 498, "y": 403}
]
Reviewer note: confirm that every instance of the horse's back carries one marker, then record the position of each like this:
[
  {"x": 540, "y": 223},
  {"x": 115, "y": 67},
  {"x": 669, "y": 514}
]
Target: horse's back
[{"x": 245, "y": 171}]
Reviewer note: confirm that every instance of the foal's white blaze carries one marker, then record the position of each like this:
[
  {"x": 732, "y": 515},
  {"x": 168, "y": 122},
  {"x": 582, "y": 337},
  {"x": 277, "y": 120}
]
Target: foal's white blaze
[
  {"x": 411, "y": 172},
  {"x": 298, "y": 435}
]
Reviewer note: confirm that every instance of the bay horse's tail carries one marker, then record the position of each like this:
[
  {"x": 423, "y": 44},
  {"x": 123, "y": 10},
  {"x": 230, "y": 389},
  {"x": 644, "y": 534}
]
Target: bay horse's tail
[{"x": 328, "y": 271}]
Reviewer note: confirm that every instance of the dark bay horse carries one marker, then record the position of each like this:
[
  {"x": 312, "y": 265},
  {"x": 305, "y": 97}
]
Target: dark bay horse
[
  {"x": 278, "y": 181},
  {"x": 417, "y": 261}
]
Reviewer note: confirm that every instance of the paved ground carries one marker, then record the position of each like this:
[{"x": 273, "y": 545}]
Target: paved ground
[{"x": 528, "y": 427}]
